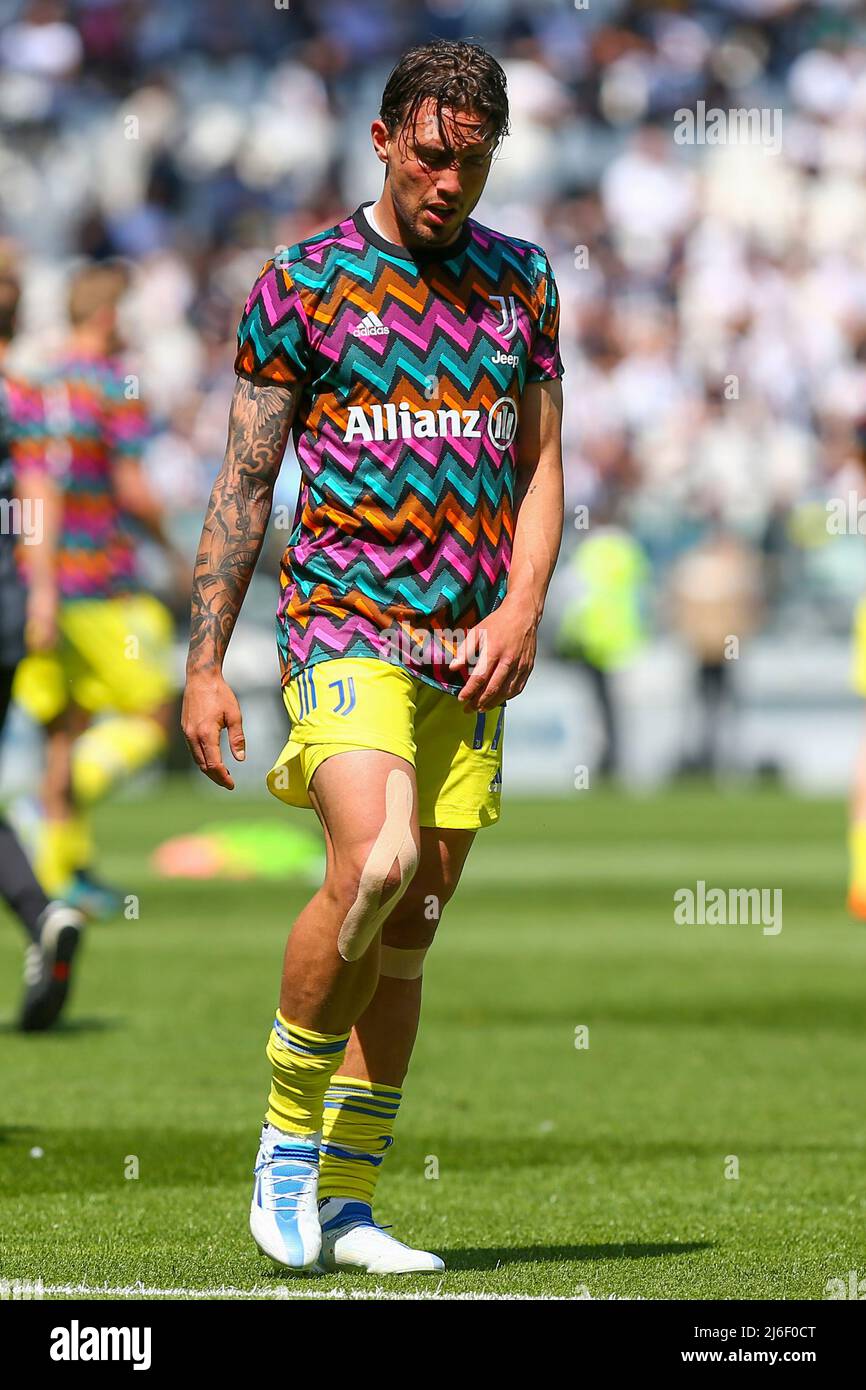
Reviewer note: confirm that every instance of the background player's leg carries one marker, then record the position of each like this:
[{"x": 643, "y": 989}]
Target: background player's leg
[
  {"x": 62, "y": 844},
  {"x": 53, "y": 927},
  {"x": 113, "y": 750},
  {"x": 136, "y": 695},
  {"x": 18, "y": 883},
  {"x": 119, "y": 655}
]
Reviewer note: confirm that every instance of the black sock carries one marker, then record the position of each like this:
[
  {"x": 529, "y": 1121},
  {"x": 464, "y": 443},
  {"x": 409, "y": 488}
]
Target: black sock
[{"x": 18, "y": 884}]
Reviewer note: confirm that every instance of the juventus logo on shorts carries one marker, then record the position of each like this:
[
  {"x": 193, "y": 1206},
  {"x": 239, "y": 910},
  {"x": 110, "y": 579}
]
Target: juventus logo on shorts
[{"x": 345, "y": 695}]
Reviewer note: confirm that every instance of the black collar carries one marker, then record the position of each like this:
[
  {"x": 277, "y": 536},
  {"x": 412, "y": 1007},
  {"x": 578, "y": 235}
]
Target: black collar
[{"x": 405, "y": 253}]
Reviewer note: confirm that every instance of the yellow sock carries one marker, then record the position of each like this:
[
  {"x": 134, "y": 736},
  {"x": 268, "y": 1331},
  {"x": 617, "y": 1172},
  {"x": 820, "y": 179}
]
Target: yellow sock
[
  {"x": 63, "y": 846},
  {"x": 303, "y": 1063},
  {"x": 356, "y": 1134},
  {"x": 113, "y": 749}
]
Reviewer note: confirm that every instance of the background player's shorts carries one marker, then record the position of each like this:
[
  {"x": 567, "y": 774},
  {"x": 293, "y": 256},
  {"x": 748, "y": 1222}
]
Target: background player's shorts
[
  {"x": 112, "y": 654},
  {"x": 859, "y": 664},
  {"x": 361, "y": 702}
]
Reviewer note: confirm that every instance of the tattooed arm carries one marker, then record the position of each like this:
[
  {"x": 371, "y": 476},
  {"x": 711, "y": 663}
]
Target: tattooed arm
[{"x": 231, "y": 539}]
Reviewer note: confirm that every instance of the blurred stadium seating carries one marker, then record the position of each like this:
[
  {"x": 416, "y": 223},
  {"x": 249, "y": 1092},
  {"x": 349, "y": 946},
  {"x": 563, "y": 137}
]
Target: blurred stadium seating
[{"x": 713, "y": 297}]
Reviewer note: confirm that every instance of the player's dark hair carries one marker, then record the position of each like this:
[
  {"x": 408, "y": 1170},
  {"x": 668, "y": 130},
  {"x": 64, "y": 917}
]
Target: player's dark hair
[{"x": 457, "y": 75}]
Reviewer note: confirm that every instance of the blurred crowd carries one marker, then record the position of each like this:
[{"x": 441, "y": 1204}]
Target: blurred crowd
[{"x": 713, "y": 295}]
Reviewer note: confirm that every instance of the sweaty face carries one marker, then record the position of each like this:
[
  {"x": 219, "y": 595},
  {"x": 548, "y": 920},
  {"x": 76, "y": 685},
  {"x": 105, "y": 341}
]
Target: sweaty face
[{"x": 434, "y": 187}]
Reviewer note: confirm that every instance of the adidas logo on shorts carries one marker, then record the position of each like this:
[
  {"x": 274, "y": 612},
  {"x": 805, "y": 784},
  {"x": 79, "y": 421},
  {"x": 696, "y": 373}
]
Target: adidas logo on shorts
[
  {"x": 496, "y": 783},
  {"x": 371, "y": 326}
]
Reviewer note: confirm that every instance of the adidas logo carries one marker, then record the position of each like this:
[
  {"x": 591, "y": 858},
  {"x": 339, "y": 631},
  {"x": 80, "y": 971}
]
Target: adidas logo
[
  {"x": 496, "y": 783},
  {"x": 371, "y": 326}
]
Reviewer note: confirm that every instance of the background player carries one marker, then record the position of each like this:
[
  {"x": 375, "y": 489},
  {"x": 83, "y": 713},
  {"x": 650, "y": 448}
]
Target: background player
[
  {"x": 53, "y": 928},
  {"x": 416, "y": 354},
  {"x": 111, "y": 656}
]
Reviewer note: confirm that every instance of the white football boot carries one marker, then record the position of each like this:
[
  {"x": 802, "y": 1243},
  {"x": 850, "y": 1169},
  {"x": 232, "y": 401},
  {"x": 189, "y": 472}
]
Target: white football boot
[
  {"x": 352, "y": 1240},
  {"x": 284, "y": 1219}
]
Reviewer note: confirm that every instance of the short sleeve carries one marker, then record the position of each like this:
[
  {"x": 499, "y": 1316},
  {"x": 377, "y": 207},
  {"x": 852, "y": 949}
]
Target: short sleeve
[
  {"x": 125, "y": 419},
  {"x": 273, "y": 337},
  {"x": 545, "y": 363}
]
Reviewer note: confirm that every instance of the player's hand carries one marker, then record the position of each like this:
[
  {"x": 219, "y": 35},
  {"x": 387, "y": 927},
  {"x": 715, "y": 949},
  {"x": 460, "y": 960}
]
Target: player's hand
[
  {"x": 499, "y": 653},
  {"x": 209, "y": 706},
  {"x": 41, "y": 619}
]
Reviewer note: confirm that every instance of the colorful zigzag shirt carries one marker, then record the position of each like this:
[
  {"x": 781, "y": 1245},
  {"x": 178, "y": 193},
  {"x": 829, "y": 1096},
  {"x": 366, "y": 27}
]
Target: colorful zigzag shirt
[
  {"x": 411, "y": 367},
  {"x": 93, "y": 418}
]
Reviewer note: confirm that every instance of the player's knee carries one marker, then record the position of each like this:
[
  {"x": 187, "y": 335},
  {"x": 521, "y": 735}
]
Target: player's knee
[
  {"x": 379, "y": 872},
  {"x": 409, "y": 932},
  {"x": 421, "y": 907},
  {"x": 411, "y": 927},
  {"x": 398, "y": 878},
  {"x": 368, "y": 893},
  {"x": 365, "y": 878}
]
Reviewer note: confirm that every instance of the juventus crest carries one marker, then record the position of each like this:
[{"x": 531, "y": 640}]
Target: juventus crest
[{"x": 508, "y": 308}]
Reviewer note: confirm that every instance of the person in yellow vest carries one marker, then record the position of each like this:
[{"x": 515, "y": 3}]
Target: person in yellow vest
[{"x": 602, "y": 625}]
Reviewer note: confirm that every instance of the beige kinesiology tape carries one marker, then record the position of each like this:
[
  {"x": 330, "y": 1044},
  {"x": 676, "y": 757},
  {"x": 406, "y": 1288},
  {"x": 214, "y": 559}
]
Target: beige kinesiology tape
[
  {"x": 402, "y": 962},
  {"x": 394, "y": 841}
]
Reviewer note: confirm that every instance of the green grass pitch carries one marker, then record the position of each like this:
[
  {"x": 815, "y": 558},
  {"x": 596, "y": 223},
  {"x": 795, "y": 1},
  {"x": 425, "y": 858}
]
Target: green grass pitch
[{"x": 561, "y": 1170}]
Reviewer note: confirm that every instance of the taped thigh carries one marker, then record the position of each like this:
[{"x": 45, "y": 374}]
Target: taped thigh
[{"x": 394, "y": 841}]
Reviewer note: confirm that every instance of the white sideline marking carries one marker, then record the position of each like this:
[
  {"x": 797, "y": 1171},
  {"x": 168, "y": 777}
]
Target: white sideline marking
[{"x": 280, "y": 1292}]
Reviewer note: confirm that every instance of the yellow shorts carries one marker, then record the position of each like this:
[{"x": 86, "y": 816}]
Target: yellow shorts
[
  {"x": 112, "y": 654},
  {"x": 361, "y": 702}
]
